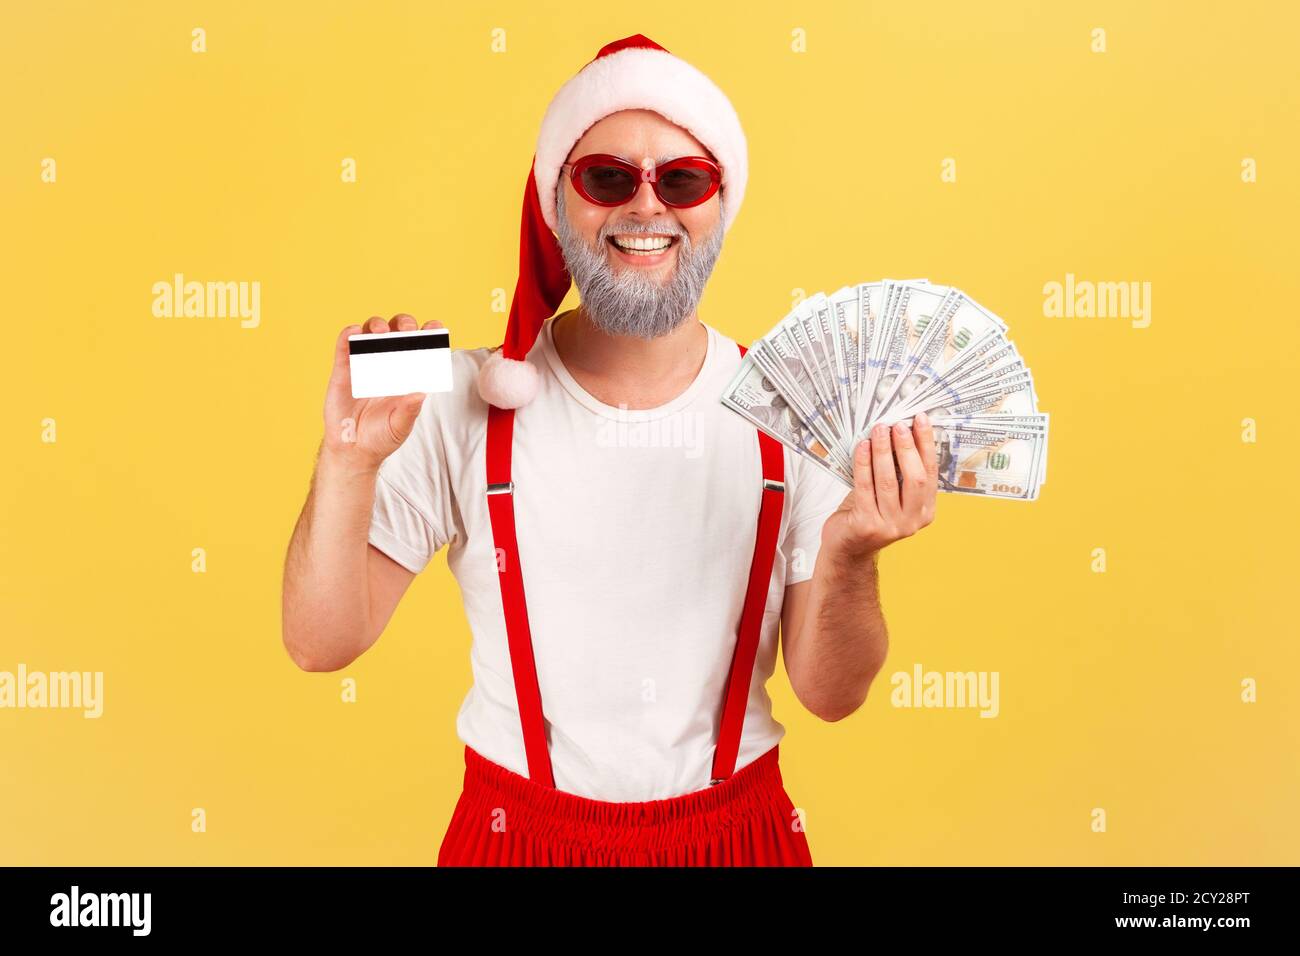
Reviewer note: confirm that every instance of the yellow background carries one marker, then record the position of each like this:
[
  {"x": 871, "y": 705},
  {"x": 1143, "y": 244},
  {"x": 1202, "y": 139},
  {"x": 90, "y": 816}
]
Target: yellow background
[{"x": 1119, "y": 690}]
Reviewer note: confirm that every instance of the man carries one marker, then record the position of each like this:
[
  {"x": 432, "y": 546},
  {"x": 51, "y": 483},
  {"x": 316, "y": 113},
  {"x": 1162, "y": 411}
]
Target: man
[{"x": 632, "y": 587}]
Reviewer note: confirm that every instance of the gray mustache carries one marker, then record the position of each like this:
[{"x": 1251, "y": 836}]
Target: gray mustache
[{"x": 635, "y": 228}]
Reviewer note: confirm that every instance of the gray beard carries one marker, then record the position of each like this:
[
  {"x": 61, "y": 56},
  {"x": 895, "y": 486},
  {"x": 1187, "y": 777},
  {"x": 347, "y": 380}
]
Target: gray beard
[{"x": 628, "y": 303}]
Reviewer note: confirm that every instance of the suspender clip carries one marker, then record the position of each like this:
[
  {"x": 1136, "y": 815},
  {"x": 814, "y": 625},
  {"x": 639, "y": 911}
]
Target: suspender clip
[
  {"x": 501, "y": 488},
  {"x": 770, "y": 484}
]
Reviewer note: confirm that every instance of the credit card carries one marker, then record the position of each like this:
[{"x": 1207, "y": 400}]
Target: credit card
[{"x": 398, "y": 363}]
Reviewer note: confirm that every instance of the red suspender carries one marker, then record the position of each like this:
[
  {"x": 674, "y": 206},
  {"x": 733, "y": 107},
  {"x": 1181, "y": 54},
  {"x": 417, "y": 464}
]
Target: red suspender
[
  {"x": 751, "y": 615},
  {"x": 501, "y": 513}
]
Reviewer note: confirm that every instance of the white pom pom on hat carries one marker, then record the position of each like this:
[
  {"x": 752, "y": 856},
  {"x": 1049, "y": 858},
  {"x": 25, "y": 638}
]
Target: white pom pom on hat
[
  {"x": 632, "y": 73},
  {"x": 507, "y": 383}
]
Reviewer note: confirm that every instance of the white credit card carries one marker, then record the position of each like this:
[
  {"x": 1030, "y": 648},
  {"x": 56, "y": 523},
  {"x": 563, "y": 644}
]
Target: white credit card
[{"x": 398, "y": 363}]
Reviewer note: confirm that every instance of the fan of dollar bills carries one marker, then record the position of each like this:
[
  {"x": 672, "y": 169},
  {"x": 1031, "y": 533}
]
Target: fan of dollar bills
[{"x": 883, "y": 351}]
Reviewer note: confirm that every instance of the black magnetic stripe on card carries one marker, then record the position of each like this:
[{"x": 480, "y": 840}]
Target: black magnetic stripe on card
[{"x": 406, "y": 343}]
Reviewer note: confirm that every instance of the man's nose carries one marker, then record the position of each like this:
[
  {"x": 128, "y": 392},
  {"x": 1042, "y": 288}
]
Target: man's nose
[{"x": 645, "y": 202}]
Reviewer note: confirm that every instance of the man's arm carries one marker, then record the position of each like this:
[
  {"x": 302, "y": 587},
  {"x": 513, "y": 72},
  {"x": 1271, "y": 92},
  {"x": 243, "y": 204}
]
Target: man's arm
[
  {"x": 339, "y": 590},
  {"x": 834, "y": 637}
]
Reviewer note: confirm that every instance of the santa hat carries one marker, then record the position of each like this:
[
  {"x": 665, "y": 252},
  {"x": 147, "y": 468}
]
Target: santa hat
[{"x": 632, "y": 73}]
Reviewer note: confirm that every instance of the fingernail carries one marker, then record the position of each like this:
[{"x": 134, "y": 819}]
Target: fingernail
[
  {"x": 864, "y": 449},
  {"x": 880, "y": 431},
  {"x": 922, "y": 418},
  {"x": 900, "y": 428}
]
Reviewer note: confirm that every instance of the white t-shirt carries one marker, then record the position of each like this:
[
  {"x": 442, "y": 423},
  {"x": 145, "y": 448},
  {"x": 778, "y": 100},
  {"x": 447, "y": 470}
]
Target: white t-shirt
[{"x": 636, "y": 532}]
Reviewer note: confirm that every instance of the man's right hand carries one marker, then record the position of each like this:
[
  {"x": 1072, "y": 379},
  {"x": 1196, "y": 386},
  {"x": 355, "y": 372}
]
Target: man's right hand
[{"x": 361, "y": 432}]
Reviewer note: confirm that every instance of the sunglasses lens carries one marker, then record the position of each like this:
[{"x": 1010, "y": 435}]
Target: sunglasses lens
[
  {"x": 684, "y": 185},
  {"x": 608, "y": 183}
]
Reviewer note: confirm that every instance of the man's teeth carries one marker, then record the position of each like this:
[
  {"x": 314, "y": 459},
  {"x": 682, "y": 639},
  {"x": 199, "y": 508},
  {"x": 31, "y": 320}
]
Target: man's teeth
[{"x": 643, "y": 245}]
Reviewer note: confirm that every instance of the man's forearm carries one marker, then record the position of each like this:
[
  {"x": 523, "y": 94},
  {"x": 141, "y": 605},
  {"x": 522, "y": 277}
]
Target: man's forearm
[
  {"x": 842, "y": 640},
  {"x": 326, "y": 596},
  {"x": 839, "y": 641}
]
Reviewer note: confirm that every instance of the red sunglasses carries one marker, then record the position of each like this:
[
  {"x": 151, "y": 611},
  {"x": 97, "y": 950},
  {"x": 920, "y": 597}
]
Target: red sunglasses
[{"x": 606, "y": 180}]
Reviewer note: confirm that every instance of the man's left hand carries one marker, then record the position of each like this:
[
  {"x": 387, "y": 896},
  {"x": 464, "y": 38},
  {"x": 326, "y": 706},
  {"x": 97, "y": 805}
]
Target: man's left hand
[{"x": 881, "y": 509}]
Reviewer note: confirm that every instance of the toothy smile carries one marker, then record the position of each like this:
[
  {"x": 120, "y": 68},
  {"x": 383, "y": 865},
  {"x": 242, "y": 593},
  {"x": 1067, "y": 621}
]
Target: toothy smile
[{"x": 641, "y": 245}]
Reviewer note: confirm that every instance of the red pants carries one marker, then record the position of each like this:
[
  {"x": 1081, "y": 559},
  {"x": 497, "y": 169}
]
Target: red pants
[{"x": 504, "y": 819}]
